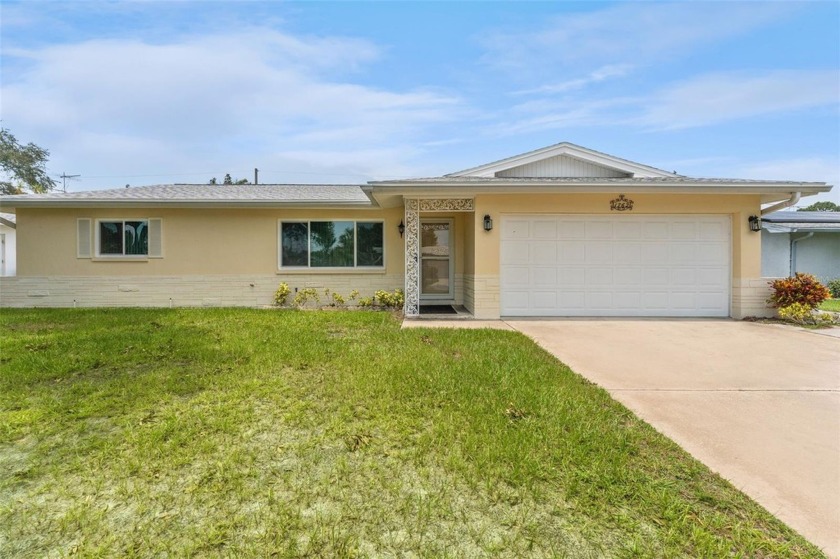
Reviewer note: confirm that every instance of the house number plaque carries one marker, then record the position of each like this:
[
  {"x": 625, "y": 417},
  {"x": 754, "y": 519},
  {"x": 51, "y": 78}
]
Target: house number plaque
[{"x": 621, "y": 204}]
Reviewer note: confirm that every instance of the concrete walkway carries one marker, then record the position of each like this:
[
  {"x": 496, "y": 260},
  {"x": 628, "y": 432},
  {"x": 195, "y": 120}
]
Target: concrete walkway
[{"x": 757, "y": 403}]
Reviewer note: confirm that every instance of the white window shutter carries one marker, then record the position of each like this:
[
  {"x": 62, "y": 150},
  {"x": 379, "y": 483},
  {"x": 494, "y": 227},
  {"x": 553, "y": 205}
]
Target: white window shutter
[
  {"x": 155, "y": 238},
  {"x": 83, "y": 244}
]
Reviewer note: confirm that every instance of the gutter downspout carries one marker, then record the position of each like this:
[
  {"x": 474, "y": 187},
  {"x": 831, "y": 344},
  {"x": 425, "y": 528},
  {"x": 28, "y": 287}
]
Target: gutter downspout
[
  {"x": 793, "y": 251},
  {"x": 794, "y": 198}
]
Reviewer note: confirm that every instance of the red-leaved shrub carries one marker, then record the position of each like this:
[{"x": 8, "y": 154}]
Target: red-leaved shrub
[{"x": 801, "y": 288}]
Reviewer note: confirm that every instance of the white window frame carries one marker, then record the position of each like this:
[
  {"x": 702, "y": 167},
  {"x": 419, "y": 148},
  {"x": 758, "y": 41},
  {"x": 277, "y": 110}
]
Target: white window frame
[
  {"x": 311, "y": 268},
  {"x": 97, "y": 245}
]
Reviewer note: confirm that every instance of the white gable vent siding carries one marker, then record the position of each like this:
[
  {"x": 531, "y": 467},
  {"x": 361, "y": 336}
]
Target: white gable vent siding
[{"x": 562, "y": 166}]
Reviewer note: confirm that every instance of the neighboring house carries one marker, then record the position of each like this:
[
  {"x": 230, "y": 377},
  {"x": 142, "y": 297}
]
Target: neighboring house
[
  {"x": 559, "y": 231},
  {"x": 801, "y": 242},
  {"x": 8, "y": 260}
]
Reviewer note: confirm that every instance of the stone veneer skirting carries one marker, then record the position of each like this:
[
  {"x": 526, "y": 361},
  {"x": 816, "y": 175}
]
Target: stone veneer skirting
[
  {"x": 480, "y": 293},
  {"x": 179, "y": 291},
  {"x": 485, "y": 297},
  {"x": 469, "y": 292},
  {"x": 749, "y": 297}
]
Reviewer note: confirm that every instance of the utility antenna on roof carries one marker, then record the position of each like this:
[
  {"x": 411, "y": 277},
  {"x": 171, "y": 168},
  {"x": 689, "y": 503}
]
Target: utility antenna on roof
[{"x": 64, "y": 176}]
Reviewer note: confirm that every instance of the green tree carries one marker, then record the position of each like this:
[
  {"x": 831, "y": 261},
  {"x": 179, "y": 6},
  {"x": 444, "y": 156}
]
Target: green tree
[
  {"x": 229, "y": 180},
  {"x": 821, "y": 207},
  {"x": 24, "y": 167}
]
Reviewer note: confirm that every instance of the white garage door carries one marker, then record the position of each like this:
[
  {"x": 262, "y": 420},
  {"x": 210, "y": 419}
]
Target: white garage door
[{"x": 617, "y": 265}]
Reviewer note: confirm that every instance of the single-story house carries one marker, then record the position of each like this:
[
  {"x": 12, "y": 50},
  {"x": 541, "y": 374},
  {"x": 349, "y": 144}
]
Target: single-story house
[
  {"x": 801, "y": 242},
  {"x": 8, "y": 261},
  {"x": 559, "y": 231}
]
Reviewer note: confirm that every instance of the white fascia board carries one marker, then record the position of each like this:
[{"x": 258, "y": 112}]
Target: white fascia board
[
  {"x": 768, "y": 193},
  {"x": 408, "y": 187},
  {"x": 216, "y": 204}
]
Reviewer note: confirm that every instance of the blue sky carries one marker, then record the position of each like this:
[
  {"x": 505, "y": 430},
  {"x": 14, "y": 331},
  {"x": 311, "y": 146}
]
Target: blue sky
[{"x": 155, "y": 92}]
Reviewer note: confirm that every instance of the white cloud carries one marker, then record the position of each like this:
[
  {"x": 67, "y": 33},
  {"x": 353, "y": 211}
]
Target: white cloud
[
  {"x": 212, "y": 101},
  {"x": 635, "y": 33},
  {"x": 810, "y": 169},
  {"x": 715, "y": 98},
  {"x": 599, "y": 75},
  {"x": 705, "y": 100},
  {"x": 550, "y": 114}
]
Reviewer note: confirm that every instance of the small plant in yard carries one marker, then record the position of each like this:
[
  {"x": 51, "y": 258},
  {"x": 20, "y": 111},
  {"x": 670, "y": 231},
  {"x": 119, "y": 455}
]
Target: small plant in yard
[
  {"x": 365, "y": 302},
  {"x": 303, "y": 296},
  {"x": 394, "y": 300},
  {"x": 803, "y": 314},
  {"x": 515, "y": 414},
  {"x": 338, "y": 300},
  {"x": 796, "y": 312},
  {"x": 802, "y": 288},
  {"x": 834, "y": 288},
  {"x": 281, "y": 294},
  {"x": 354, "y": 295}
]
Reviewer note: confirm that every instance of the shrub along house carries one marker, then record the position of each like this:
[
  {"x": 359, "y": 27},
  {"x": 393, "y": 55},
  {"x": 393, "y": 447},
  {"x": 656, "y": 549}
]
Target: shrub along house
[{"x": 559, "y": 231}]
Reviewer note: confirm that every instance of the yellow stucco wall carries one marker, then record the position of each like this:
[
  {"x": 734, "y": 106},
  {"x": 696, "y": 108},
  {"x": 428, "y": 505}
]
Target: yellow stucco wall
[
  {"x": 746, "y": 245},
  {"x": 246, "y": 241},
  {"x": 195, "y": 242},
  {"x": 202, "y": 244}
]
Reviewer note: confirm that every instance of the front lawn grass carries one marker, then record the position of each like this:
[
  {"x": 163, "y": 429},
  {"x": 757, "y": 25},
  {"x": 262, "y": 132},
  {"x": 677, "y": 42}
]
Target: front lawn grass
[
  {"x": 255, "y": 433},
  {"x": 830, "y": 305}
]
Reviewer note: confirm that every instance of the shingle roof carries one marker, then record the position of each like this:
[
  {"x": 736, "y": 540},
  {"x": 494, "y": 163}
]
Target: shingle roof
[
  {"x": 255, "y": 194},
  {"x": 789, "y": 221},
  {"x": 802, "y": 217}
]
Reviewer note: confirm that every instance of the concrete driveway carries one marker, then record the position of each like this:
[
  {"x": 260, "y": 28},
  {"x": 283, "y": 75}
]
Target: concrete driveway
[{"x": 757, "y": 403}]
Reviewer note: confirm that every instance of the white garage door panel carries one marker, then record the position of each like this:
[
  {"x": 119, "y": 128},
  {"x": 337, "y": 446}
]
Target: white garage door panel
[{"x": 615, "y": 265}]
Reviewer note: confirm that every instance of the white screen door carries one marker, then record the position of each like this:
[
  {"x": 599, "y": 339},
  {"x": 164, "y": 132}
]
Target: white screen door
[{"x": 436, "y": 270}]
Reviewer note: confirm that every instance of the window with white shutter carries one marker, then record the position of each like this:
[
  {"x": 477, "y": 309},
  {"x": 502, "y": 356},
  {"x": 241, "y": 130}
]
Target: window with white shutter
[{"x": 83, "y": 243}]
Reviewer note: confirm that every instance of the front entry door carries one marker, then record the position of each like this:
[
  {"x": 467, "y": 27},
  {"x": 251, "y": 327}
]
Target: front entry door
[{"x": 436, "y": 269}]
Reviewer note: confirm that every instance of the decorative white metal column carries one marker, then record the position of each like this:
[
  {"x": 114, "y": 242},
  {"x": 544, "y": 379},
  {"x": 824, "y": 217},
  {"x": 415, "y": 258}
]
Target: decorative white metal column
[
  {"x": 412, "y": 258},
  {"x": 412, "y": 242}
]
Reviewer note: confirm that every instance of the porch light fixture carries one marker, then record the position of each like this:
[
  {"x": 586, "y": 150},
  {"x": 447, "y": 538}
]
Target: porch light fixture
[
  {"x": 755, "y": 223},
  {"x": 401, "y": 228},
  {"x": 488, "y": 223}
]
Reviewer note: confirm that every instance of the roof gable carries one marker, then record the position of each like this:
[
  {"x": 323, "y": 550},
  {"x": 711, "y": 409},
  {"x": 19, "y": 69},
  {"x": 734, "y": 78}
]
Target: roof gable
[
  {"x": 564, "y": 160},
  {"x": 562, "y": 166}
]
